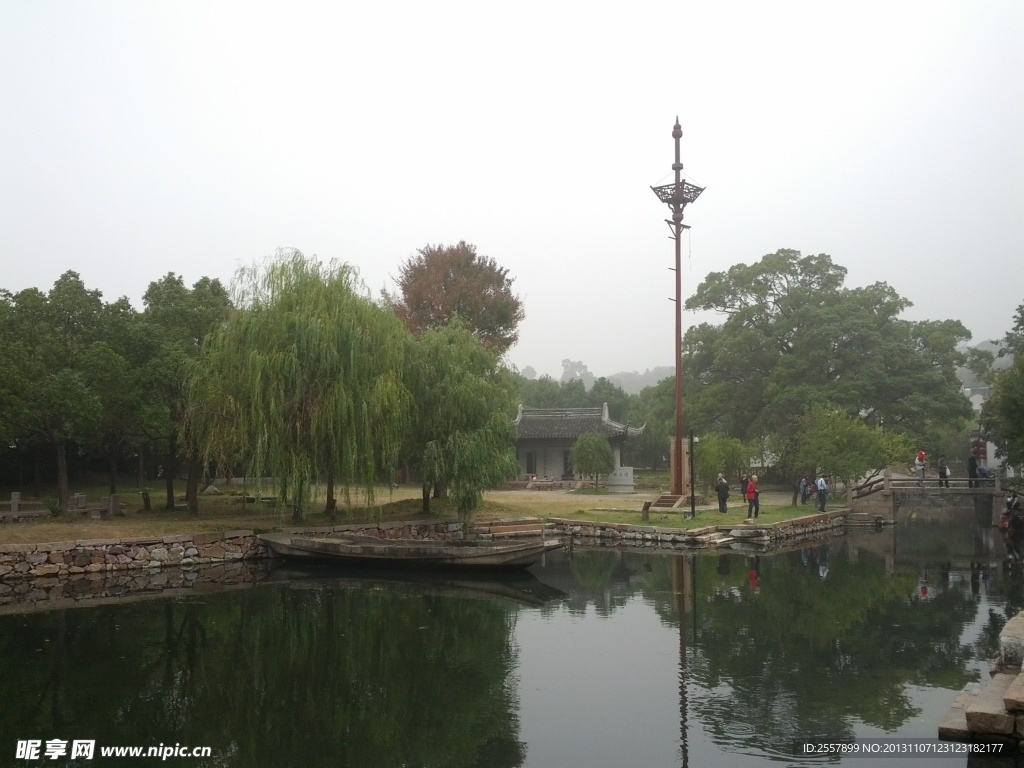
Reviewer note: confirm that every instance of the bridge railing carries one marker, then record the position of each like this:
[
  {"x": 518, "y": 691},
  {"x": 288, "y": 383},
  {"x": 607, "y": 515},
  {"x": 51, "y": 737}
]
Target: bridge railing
[
  {"x": 867, "y": 488},
  {"x": 963, "y": 483}
]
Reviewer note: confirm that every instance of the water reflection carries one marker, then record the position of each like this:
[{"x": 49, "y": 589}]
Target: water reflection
[
  {"x": 326, "y": 674},
  {"x": 601, "y": 658}
]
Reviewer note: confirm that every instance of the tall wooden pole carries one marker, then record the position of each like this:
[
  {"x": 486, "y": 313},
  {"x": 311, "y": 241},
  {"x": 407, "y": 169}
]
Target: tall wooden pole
[
  {"x": 677, "y": 230},
  {"x": 677, "y": 195}
]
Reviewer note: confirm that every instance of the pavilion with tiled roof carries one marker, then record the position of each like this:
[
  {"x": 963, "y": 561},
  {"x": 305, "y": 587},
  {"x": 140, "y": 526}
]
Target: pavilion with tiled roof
[{"x": 544, "y": 437}]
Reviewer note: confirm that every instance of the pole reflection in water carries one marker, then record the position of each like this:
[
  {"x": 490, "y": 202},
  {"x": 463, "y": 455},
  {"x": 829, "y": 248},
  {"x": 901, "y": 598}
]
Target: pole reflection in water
[{"x": 684, "y": 577}]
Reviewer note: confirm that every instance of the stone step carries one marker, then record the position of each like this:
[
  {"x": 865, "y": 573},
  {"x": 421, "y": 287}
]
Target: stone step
[
  {"x": 1014, "y": 698},
  {"x": 987, "y": 714},
  {"x": 534, "y": 533},
  {"x": 534, "y": 529},
  {"x": 954, "y": 725},
  {"x": 666, "y": 501}
]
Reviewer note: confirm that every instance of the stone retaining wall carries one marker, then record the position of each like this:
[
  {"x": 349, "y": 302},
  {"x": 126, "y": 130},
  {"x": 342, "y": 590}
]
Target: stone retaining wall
[
  {"x": 64, "y": 573},
  {"x": 48, "y": 593},
  {"x": 63, "y": 558},
  {"x": 630, "y": 534}
]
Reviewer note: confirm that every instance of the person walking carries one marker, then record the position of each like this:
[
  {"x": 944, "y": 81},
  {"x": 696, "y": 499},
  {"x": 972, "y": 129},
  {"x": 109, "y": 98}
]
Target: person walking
[
  {"x": 753, "y": 501},
  {"x": 722, "y": 488},
  {"x": 943, "y": 472},
  {"x": 919, "y": 465},
  {"x": 803, "y": 489},
  {"x": 972, "y": 470},
  {"x": 822, "y": 486}
]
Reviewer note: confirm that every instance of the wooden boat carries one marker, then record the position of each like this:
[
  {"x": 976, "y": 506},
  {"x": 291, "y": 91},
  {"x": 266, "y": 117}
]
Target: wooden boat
[{"x": 416, "y": 553}]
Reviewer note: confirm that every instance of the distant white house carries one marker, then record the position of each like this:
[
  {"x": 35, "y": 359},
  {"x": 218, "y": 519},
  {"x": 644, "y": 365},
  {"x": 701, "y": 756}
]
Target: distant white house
[{"x": 545, "y": 436}]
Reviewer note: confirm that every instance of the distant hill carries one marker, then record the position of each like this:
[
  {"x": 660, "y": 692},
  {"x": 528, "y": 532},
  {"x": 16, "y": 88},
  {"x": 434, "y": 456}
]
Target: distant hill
[{"x": 632, "y": 382}]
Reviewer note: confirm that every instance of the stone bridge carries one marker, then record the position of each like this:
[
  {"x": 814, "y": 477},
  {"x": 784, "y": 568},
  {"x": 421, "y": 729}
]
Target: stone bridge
[{"x": 885, "y": 496}]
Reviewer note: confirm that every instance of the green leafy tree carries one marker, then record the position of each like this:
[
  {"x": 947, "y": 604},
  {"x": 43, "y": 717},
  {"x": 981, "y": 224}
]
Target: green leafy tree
[
  {"x": 461, "y": 434},
  {"x": 716, "y": 454},
  {"x": 542, "y": 392},
  {"x": 545, "y": 392},
  {"x": 57, "y": 370},
  {"x": 122, "y": 384},
  {"x": 303, "y": 380},
  {"x": 654, "y": 407},
  {"x": 794, "y": 336},
  {"x": 1013, "y": 342},
  {"x": 603, "y": 391},
  {"x": 830, "y": 439},
  {"x": 592, "y": 454},
  {"x": 442, "y": 282},
  {"x": 1003, "y": 413},
  {"x": 177, "y": 320}
]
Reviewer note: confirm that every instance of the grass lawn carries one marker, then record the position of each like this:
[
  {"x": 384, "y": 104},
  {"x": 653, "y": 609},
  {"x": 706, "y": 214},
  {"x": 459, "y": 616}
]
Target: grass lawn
[{"x": 226, "y": 512}]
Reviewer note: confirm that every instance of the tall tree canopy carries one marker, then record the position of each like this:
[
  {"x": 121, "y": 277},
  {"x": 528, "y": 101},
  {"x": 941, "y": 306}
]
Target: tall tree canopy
[
  {"x": 1003, "y": 412},
  {"x": 59, "y": 374},
  {"x": 1013, "y": 342},
  {"x": 795, "y": 336},
  {"x": 462, "y": 435},
  {"x": 304, "y": 380},
  {"x": 176, "y": 320},
  {"x": 442, "y": 282}
]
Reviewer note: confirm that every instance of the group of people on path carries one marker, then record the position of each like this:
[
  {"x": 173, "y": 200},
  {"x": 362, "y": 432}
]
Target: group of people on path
[
  {"x": 818, "y": 488},
  {"x": 748, "y": 486},
  {"x": 975, "y": 471},
  {"x": 752, "y": 493}
]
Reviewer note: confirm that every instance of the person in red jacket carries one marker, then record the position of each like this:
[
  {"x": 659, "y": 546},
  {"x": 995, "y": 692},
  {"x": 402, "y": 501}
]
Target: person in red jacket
[{"x": 753, "y": 504}]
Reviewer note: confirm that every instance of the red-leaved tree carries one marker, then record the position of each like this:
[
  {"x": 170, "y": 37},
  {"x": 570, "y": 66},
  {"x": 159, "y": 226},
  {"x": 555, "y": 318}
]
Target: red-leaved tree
[{"x": 441, "y": 282}]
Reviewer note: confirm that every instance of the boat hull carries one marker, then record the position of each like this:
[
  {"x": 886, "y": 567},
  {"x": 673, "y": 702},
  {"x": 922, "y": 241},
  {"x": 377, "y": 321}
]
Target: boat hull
[{"x": 411, "y": 553}]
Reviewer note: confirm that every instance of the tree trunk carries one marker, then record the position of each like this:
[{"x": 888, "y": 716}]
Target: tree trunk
[
  {"x": 141, "y": 482},
  {"x": 171, "y": 469},
  {"x": 332, "y": 504},
  {"x": 426, "y": 499},
  {"x": 62, "y": 478},
  {"x": 36, "y": 483},
  {"x": 112, "y": 458},
  {"x": 195, "y": 468}
]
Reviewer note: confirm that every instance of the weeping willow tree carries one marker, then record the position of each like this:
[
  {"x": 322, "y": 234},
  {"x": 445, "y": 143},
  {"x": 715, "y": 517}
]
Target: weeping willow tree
[
  {"x": 462, "y": 437},
  {"x": 304, "y": 381}
]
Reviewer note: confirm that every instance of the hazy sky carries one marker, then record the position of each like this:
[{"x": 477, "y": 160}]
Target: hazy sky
[{"x": 142, "y": 137}]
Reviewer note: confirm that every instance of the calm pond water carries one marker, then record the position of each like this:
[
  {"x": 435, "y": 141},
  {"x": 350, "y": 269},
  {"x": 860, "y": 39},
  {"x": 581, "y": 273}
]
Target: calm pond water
[{"x": 598, "y": 658}]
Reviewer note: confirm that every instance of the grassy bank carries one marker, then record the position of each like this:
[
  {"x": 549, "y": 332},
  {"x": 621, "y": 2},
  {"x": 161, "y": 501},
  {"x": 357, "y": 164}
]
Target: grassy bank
[{"x": 225, "y": 512}]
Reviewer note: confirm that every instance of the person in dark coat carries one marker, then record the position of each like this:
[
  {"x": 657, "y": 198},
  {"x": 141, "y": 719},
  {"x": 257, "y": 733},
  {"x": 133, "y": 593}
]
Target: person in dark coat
[
  {"x": 972, "y": 470},
  {"x": 722, "y": 489}
]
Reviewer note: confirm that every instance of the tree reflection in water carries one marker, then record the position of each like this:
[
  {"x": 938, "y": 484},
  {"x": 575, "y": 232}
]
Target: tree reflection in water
[
  {"x": 818, "y": 642},
  {"x": 275, "y": 676}
]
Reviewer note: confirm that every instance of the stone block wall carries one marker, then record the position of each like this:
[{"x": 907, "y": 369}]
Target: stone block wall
[
  {"x": 63, "y": 558},
  {"x": 644, "y": 535}
]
